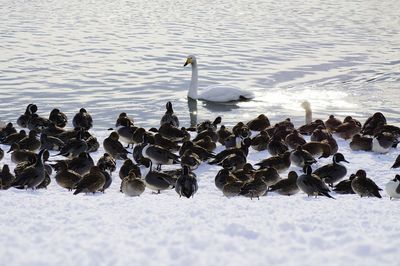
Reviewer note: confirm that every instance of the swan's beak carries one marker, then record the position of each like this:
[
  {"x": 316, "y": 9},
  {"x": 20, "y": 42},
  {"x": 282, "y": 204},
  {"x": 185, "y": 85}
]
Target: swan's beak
[{"x": 188, "y": 61}]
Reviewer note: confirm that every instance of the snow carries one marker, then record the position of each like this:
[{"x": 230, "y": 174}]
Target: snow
[{"x": 55, "y": 227}]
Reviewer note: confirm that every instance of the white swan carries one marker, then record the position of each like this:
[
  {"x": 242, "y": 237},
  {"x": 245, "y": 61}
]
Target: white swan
[{"x": 214, "y": 93}]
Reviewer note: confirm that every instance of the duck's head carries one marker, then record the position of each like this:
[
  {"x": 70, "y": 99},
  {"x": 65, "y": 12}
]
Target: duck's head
[{"x": 191, "y": 59}]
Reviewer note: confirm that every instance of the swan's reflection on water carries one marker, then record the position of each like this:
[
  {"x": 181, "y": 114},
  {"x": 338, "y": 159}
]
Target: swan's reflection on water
[{"x": 214, "y": 107}]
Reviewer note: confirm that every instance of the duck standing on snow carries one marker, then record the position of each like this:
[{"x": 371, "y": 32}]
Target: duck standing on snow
[
  {"x": 333, "y": 172},
  {"x": 215, "y": 93},
  {"x": 186, "y": 184},
  {"x": 382, "y": 142},
  {"x": 169, "y": 117},
  {"x": 91, "y": 182},
  {"x": 393, "y": 187},
  {"x": 286, "y": 186},
  {"x": 364, "y": 186},
  {"x": 83, "y": 119},
  {"x": 132, "y": 185},
  {"x": 312, "y": 184}
]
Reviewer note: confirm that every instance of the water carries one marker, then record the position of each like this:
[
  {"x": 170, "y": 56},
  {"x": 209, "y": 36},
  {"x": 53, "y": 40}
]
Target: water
[{"x": 113, "y": 56}]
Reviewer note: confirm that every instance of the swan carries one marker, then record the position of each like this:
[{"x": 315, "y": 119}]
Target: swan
[{"x": 214, "y": 93}]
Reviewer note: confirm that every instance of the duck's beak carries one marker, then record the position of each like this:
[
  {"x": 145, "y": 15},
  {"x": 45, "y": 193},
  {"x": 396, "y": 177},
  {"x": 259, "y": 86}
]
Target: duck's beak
[
  {"x": 188, "y": 61},
  {"x": 346, "y": 161}
]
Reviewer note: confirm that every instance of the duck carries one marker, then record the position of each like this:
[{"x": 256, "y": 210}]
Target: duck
[
  {"x": 38, "y": 123},
  {"x": 383, "y": 142},
  {"x": 66, "y": 178},
  {"x": 396, "y": 163},
  {"x": 126, "y": 134},
  {"x": 233, "y": 141},
  {"x": 280, "y": 162},
  {"x": 373, "y": 122},
  {"x": 233, "y": 162},
  {"x": 91, "y": 182},
  {"x": 157, "y": 154},
  {"x": 364, "y": 186},
  {"x": 166, "y": 143},
  {"x": 7, "y": 130},
  {"x": 207, "y": 144},
  {"x": 14, "y": 138},
  {"x": 361, "y": 143},
  {"x": 333, "y": 172},
  {"x": 393, "y": 188},
  {"x": 344, "y": 186},
  {"x": 241, "y": 130},
  {"x": 108, "y": 181},
  {"x": 260, "y": 141},
  {"x": 23, "y": 119},
  {"x": 300, "y": 157},
  {"x": 132, "y": 185},
  {"x": 127, "y": 167},
  {"x": 91, "y": 141},
  {"x": 55, "y": 131},
  {"x": 320, "y": 134},
  {"x": 6, "y": 177},
  {"x": 169, "y": 117},
  {"x": 82, "y": 119},
  {"x": 58, "y": 118},
  {"x": 81, "y": 164},
  {"x": 308, "y": 129},
  {"x": 243, "y": 151},
  {"x": 201, "y": 152},
  {"x": 167, "y": 130},
  {"x": 223, "y": 133},
  {"x": 332, "y": 123},
  {"x": 191, "y": 160},
  {"x": 245, "y": 174},
  {"x": 74, "y": 146},
  {"x": 19, "y": 155},
  {"x": 348, "y": 129},
  {"x": 286, "y": 187},
  {"x": 209, "y": 132},
  {"x": 331, "y": 141},
  {"x": 206, "y": 124},
  {"x": 30, "y": 142},
  {"x": 113, "y": 147},
  {"x": 317, "y": 149},
  {"x": 215, "y": 93},
  {"x": 186, "y": 184},
  {"x": 312, "y": 184},
  {"x": 221, "y": 178},
  {"x": 32, "y": 176},
  {"x": 269, "y": 175},
  {"x": 294, "y": 139},
  {"x": 107, "y": 162},
  {"x": 232, "y": 187},
  {"x": 276, "y": 146},
  {"x": 255, "y": 188},
  {"x": 124, "y": 120},
  {"x": 1, "y": 154},
  {"x": 51, "y": 143},
  {"x": 259, "y": 123},
  {"x": 158, "y": 181}
]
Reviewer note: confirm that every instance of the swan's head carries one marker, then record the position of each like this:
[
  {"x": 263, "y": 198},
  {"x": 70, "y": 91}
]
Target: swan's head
[{"x": 191, "y": 59}]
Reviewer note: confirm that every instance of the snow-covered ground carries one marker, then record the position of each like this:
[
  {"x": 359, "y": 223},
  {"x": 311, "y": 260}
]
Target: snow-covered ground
[{"x": 49, "y": 227}]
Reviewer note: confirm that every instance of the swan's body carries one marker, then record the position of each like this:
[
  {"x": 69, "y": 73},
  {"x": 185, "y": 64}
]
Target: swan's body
[{"x": 215, "y": 93}]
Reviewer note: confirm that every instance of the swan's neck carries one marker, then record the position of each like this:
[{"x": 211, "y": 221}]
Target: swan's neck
[
  {"x": 192, "y": 93},
  {"x": 308, "y": 115}
]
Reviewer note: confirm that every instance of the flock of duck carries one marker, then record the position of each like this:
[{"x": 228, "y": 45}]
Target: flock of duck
[{"x": 189, "y": 147}]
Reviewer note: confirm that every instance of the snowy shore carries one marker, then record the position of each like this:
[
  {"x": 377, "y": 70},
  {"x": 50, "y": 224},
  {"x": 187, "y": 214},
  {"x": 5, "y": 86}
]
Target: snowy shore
[{"x": 54, "y": 227}]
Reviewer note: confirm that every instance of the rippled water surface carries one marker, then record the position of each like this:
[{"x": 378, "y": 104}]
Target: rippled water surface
[{"x": 112, "y": 56}]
